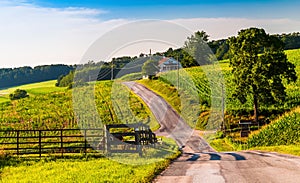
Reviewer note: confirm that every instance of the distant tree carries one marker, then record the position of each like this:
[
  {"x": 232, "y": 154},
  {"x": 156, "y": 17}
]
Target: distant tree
[
  {"x": 25, "y": 75},
  {"x": 291, "y": 41},
  {"x": 222, "y": 51},
  {"x": 150, "y": 68},
  {"x": 65, "y": 81},
  {"x": 18, "y": 94},
  {"x": 197, "y": 47},
  {"x": 185, "y": 59},
  {"x": 258, "y": 65}
]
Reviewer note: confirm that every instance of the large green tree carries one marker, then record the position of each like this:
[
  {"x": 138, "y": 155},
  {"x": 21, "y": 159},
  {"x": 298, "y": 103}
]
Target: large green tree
[
  {"x": 150, "y": 68},
  {"x": 197, "y": 47},
  {"x": 259, "y": 66}
]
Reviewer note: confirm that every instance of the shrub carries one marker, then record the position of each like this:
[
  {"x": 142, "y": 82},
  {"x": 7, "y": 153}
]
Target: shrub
[{"x": 18, "y": 94}]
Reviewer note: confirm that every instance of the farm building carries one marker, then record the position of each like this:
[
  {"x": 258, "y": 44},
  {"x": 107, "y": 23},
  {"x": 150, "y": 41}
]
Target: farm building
[{"x": 168, "y": 64}]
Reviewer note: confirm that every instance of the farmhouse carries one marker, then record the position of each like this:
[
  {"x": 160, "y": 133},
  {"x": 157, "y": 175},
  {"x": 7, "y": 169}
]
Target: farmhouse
[{"x": 168, "y": 64}]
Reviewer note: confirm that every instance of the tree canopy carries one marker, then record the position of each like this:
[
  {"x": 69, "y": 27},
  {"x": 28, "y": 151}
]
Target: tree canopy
[
  {"x": 259, "y": 66},
  {"x": 150, "y": 68},
  {"x": 197, "y": 47}
]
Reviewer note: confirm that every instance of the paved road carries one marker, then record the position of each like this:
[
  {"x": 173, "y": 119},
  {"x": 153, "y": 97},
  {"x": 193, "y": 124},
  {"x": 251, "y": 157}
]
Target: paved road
[
  {"x": 171, "y": 123},
  {"x": 200, "y": 163},
  {"x": 240, "y": 167}
]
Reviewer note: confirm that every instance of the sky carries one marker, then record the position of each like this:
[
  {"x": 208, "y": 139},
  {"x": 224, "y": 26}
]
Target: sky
[{"x": 43, "y": 32}]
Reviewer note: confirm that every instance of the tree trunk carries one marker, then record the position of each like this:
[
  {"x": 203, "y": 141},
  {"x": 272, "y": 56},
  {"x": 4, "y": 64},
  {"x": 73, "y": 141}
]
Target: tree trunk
[{"x": 255, "y": 109}]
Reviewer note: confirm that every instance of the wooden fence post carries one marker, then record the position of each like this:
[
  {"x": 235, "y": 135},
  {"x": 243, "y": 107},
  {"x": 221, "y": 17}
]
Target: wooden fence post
[
  {"x": 106, "y": 140},
  {"x": 61, "y": 143},
  {"x": 85, "y": 142},
  {"x": 40, "y": 143},
  {"x": 18, "y": 135}
]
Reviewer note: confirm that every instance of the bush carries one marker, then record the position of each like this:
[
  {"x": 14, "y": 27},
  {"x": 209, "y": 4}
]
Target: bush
[{"x": 18, "y": 94}]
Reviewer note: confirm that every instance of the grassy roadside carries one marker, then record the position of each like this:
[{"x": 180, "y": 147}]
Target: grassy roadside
[
  {"x": 224, "y": 145},
  {"x": 221, "y": 145},
  {"x": 289, "y": 149},
  {"x": 90, "y": 169},
  {"x": 169, "y": 93}
]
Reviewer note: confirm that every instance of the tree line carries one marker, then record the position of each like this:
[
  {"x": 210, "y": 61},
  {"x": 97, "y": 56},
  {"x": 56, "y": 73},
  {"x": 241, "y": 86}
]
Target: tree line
[
  {"x": 24, "y": 75},
  {"x": 220, "y": 48},
  {"x": 121, "y": 66},
  {"x": 90, "y": 71}
]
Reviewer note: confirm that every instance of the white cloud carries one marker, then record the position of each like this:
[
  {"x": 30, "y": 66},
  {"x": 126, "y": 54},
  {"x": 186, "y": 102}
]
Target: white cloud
[{"x": 31, "y": 35}]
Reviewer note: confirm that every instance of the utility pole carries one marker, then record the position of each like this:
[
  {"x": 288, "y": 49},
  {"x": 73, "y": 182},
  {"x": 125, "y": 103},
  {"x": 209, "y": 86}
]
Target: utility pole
[
  {"x": 223, "y": 108},
  {"x": 112, "y": 69},
  {"x": 178, "y": 74}
]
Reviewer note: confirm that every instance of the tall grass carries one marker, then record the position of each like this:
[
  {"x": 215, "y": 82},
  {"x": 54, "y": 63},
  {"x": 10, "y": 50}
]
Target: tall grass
[{"x": 283, "y": 131}]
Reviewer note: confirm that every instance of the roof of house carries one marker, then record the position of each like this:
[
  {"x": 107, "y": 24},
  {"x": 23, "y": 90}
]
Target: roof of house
[{"x": 168, "y": 61}]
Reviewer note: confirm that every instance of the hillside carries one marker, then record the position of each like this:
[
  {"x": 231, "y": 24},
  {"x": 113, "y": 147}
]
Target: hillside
[
  {"x": 233, "y": 107},
  {"x": 50, "y": 107},
  {"x": 32, "y": 89},
  {"x": 282, "y": 135}
]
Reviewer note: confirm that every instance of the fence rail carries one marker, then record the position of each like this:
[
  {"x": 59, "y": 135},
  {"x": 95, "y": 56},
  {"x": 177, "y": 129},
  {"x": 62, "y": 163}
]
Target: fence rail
[{"x": 43, "y": 142}]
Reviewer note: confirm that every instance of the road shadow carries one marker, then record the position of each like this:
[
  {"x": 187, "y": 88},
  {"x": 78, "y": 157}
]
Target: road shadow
[
  {"x": 194, "y": 157},
  {"x": 214, "y": 157},
  {"x": 237, "y": 156}
]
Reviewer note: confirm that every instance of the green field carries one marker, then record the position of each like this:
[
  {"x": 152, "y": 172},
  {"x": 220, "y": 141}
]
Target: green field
[
  {"x": 89, "y": 168},
  {"x": 32, "y": 89},
  {"x": 284, "y": 132},
  {"x": 49, "y": 107}
]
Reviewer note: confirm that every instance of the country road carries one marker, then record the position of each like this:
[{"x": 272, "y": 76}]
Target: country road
[
  {"x": 171, "y": 123},
  {"x": 200, "y": 163}
]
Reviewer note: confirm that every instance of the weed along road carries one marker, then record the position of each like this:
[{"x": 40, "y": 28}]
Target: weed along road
[{"x": 200, "y": 163}]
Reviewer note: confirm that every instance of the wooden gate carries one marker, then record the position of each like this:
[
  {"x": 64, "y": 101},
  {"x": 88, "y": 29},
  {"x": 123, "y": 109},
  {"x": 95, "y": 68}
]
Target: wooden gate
[{"x": 128, "y": 138}]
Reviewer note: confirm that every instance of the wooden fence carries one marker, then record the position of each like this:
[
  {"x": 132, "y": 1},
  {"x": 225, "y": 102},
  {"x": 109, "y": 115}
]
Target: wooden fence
[
  {"x": 43, "y": 142},
  {"x": 110, "y": 139}
]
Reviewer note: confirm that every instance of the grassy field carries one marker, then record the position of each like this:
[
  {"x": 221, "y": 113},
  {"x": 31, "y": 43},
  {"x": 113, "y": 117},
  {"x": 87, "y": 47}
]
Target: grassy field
[
  {"x": 3, "y": 99},
  {"x": 283, "y": 131},
  {"x": 49, "y": 107},
  {"x": 32, "y": 89},
  {"x": 90, "y": 168}
]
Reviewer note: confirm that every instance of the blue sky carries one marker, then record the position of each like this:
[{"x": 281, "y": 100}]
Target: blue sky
[
  {"x": 160, "y": 9},
  {"x": 35, "y": 32}
]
